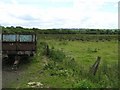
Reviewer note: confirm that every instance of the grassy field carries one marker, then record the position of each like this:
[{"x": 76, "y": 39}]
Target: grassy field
[{"x": 66, "y": 64}]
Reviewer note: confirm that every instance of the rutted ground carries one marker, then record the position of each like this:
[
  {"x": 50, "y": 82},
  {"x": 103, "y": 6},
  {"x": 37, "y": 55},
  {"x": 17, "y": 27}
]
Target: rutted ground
[{"x": 9, "y": 76}]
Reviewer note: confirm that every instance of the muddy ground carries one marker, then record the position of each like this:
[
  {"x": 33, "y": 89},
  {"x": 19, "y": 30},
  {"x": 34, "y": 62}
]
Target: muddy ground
[{"x": 10, "y": 76}]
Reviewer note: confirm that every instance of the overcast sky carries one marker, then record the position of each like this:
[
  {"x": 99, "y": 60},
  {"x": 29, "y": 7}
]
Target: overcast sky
[{"x": 59, "y": 13}]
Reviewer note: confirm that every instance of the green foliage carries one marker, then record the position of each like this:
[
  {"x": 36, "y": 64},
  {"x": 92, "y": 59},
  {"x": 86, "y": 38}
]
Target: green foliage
[
  {"x": 71, "y": 66},
  {"x": 20, "y": 29},
  {"x": 62, "y": 65},
  {"x": 43, "y": 48},
  {"x": 63, "y": 43},
  {"x": 59, "y": 73},
  {"x": 56, "y": 55},
  {"x": 84, "y": 84},
  {"x": 92, "y": 50}
]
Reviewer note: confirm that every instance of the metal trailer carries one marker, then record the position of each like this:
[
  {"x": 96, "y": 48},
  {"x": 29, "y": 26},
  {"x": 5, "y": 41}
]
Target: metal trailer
[{"x": 18, "y": 45}]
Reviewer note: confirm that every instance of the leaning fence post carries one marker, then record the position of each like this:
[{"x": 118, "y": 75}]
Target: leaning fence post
[
  {"x": 94, "y": 67},
  {"x": 47, "y": 50}
]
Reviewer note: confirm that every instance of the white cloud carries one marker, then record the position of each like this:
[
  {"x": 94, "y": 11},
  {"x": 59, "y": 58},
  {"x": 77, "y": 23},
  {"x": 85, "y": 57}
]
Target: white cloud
[{"x": 83, "y": 14}]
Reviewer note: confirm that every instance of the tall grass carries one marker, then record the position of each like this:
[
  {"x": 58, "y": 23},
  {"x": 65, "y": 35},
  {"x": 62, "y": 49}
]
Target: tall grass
[{"x": 62, "y": 65}]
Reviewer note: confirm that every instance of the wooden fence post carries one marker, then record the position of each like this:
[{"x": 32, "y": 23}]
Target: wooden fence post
[
  {"x": 47, "y": 50},
  {"x": 94, "y": 67}
]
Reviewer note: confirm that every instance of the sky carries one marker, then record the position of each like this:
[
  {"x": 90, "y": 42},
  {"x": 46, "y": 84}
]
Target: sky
[{"x": 44, "y": 14}]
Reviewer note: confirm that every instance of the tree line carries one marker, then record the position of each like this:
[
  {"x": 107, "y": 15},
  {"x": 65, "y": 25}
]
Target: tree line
[{"x": 20, "y": 29}]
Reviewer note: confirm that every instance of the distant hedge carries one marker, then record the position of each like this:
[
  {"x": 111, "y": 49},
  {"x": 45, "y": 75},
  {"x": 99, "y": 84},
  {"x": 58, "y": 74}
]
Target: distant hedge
[{"x": 20, "y": 29}]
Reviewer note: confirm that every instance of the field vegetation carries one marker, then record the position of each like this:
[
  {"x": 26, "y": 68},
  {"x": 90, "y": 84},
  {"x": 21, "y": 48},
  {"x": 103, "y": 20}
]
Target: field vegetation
[{"x": 64, "y": 59}]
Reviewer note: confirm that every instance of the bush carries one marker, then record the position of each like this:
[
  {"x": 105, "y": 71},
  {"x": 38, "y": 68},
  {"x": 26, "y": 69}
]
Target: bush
[
  {"x": 44, "y": 48},
  {"x": 56, "y": 55}
]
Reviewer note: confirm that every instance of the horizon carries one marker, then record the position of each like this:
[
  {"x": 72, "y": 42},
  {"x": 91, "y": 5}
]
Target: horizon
[
  {"x": 50, "y": 14},
  {"x": 60, "y": 28}
]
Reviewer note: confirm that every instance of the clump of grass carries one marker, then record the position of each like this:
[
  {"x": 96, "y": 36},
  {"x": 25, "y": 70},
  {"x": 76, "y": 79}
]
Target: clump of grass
[
  {"x": 84, "y": 84},
  {"x": 56, "y": 55},
  {"x": 42, "y": 46},
  {"x": 92, "y": 50},
  {"x": 106, "y": 77},
  {"x": 63, "y": 43},
  {"x": 53, "y": 54}
]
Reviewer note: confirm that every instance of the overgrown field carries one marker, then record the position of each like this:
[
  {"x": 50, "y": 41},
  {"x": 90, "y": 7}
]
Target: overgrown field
[{"x": 64, "y": 61}]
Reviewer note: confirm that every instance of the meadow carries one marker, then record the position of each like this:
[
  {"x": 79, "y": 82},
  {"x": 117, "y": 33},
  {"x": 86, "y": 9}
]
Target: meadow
[{"x": 64, "y": 61}]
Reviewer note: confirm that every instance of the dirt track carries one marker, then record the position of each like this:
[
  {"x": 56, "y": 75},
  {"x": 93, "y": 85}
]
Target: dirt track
[{"x": 10, "y": 76}]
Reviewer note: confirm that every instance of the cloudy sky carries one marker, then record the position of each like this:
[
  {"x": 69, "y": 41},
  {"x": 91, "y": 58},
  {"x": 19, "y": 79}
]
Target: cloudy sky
[{"x": 59, "y": 13}]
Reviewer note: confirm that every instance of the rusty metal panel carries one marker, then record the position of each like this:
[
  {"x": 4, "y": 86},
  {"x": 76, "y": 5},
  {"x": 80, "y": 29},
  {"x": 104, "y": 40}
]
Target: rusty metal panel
[
  {"x": 26, "y": 46},
  {"x": 13, "y": 43},
  {"x": 9, "y": 46}
]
